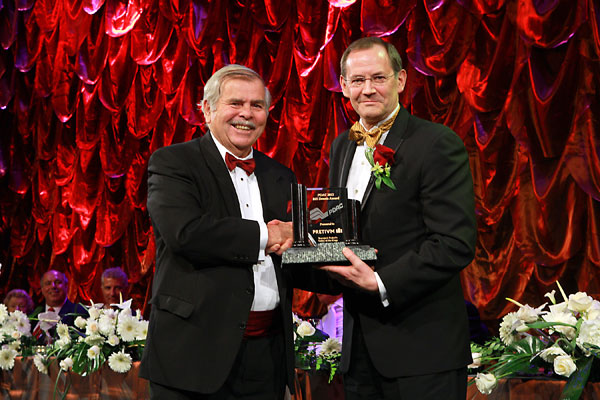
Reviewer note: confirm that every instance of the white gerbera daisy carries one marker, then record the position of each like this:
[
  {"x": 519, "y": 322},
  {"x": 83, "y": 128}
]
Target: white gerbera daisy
[
  {"x": 3, "y": 313},
  {"x": 94, "y": 339},
  {"x": 120, "y": 362},
  {"x": 142, "y": 327},
  {"x": 508, "y": 326},
  {"x": 127, "y": 328},
  {"x": 62, "y": 330},
  {"x": 330, "y": 346},
  {"x": 7, "y": 358},
  {"x": 40, "y": 363},
  {"x": 106, "y": 324}
]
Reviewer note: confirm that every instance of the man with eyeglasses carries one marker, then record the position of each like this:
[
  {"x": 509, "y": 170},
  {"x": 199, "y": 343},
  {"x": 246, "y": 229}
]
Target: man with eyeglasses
[{"x": 405, "y": 324}]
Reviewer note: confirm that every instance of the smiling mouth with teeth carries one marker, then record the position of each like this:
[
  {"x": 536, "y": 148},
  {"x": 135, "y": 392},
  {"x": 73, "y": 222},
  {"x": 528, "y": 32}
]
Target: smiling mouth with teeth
[{"x": 243, "y": 127}]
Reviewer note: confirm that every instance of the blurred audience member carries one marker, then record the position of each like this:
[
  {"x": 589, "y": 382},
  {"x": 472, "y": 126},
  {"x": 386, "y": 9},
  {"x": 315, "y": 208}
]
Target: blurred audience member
[
  {"x": 54, "y": 289},
  {"x": 18, "y": 299},
  {"x": 115, "y": 286}
]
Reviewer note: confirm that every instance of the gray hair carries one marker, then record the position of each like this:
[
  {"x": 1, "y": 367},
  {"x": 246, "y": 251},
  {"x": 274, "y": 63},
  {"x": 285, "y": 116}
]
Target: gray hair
[
  {"x": 212, "y": 89},
  {"x": 370, "y": 42},
  {"x": 115, "y": 273},
  {"x": 20, "y": 294}
]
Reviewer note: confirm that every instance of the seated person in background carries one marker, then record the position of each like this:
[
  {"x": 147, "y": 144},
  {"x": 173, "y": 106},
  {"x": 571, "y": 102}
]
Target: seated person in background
[
  {"x": 115, "y": 286},
  {"x": 54, "y": 289},
  {"x": 18, "y": 299}
]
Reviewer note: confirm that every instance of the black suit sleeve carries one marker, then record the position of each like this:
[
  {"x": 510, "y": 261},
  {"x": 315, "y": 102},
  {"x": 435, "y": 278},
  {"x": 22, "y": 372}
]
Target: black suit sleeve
[{"x": 447, "y": 204}]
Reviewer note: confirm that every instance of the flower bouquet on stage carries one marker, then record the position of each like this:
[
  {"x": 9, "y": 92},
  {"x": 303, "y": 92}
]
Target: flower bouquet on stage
[{"x": 562, "y": 341}]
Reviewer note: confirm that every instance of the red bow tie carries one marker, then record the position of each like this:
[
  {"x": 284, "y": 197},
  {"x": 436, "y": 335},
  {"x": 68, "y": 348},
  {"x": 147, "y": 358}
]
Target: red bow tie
[{"x": 247, "y": 165}]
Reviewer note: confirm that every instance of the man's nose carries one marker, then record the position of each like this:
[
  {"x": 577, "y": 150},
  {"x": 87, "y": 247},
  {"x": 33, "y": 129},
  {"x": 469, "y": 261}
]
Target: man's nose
[
  {"x": 368, "y": 87},
  {"x": 245, "y": 111}
]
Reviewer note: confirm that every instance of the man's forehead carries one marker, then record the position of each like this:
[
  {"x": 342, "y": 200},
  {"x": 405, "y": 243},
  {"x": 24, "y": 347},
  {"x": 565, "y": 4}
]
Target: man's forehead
[
  {"x": 113, "y": 282},
  {"x": 52, "y": 276},
  {"x": 232, "y": 82}
]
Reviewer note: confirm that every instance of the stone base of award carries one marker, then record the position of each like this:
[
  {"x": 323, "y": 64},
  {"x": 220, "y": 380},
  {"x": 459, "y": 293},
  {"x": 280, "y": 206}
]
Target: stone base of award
[
  {"x": 327, "y": 254},
  {"x": 334, "y": 224}
]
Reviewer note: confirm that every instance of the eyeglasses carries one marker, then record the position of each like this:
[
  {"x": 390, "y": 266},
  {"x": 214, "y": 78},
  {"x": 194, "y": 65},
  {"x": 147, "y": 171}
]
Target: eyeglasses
[{"x": 377, "y": 80}]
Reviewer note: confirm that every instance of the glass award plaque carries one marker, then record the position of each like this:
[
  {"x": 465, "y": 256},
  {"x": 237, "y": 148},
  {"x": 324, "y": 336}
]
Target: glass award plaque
[{"x": 325, "y": 221}]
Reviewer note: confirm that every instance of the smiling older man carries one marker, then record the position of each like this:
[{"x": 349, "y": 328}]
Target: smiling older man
[{"x": 220, "y": 326}]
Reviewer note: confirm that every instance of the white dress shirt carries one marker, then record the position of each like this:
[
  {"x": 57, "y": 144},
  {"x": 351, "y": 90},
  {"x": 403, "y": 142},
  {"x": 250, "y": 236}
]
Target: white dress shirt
[
  {"x": 358, "y": 180},
  {"x": 266, "y": 294}
]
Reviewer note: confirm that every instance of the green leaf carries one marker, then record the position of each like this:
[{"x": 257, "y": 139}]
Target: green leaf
[
  {"x": 544, "y": 325},
  {"x": 388, "y": 181},
  {"x": 369, "y": 155},
  {"x": 378, "y": 182},
  {"x": 577, "y": 381}
]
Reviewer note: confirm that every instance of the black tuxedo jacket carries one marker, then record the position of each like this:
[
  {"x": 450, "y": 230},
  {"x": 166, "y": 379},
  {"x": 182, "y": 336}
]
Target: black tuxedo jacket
[
  {"x": 203, "y": 284},
  {"x": 425, "y": 232}
]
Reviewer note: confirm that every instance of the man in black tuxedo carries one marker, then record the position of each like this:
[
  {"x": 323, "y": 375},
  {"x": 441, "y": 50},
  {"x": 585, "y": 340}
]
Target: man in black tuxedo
[
  {"x": 406, "y": 332},
  {"x": 54, "y": 289},
  {"x": 221, "y": 323}
]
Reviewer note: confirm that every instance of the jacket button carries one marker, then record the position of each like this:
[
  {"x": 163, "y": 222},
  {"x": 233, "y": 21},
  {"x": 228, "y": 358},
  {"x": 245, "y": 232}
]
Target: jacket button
[
  {"x": 249, "y": 291},
  {"x": 242, "y": 325}
]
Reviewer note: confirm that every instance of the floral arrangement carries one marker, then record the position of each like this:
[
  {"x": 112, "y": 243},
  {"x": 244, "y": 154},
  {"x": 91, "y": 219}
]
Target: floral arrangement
[
  {"x": 314, "y": 348},
  {"x": 562, "y": 341},
  {"x": 15, "y": 337},
  {"x": 113, "y": 335},
  {"x": 381, "y": 159}
]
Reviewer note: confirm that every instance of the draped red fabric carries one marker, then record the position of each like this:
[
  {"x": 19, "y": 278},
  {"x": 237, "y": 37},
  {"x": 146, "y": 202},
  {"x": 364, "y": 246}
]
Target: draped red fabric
[{"x": 89, "y": 89}]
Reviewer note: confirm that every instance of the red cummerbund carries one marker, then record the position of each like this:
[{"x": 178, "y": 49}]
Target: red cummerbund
[{"x": 263, "y": 323}]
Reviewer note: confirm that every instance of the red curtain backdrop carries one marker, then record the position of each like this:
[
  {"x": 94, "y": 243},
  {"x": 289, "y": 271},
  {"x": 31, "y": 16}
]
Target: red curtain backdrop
[{"x": 90, "y": 88}]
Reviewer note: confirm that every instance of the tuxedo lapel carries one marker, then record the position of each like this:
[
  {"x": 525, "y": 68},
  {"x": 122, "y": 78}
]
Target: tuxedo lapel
[
  {"x": 267, "y": 183},
  {"x": 216, "y": 165},
  {"x": 393, "y": 140},
  {"x": 348, "y": 155}
]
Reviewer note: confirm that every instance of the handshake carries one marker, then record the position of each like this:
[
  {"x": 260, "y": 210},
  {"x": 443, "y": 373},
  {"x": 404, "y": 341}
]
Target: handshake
[{"x": 281, "y": 236}]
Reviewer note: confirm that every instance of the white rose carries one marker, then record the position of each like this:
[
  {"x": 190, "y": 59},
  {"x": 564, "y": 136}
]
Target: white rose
[
  {"x": 93, "y": 352},
  {"x": 580, "y": 302},
  {"x": 486, "y": 383},
  {"x": 476, "y": 361},
  {"x": 564, "y": 365},
  {"x": 551, "y": 353},
  {"x": 66, "y": 364},
  {"x": 305, "y": 329},
  {"x": 80, "y": 322},
  {"x": 16, "y": 335}
]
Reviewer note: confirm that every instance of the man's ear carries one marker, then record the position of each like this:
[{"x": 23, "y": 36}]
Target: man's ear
[
  {"x": 345, "y": 89},
  {"x": 401, "y": 80},
  {"x": 206, "y": 111}
]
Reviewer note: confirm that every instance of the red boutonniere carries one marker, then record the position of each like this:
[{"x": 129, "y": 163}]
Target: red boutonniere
[{"x": 381, "y": 159}]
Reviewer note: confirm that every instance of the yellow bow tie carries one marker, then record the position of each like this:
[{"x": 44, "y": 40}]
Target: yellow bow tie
[{"x": 359, "y": 134}]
